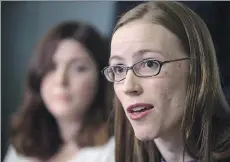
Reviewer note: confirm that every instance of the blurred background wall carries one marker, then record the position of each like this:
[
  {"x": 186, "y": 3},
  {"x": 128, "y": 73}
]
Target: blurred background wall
[{"x": 24, "y": 23}]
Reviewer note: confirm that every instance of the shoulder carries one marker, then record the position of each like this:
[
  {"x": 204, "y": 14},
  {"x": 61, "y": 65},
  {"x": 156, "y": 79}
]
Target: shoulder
[
  {"x": 108, "y": 151},
  {"x": 109, "y": 145},
  {"x": 103, "y": 153},
  {"x": 13, "y": 156}
]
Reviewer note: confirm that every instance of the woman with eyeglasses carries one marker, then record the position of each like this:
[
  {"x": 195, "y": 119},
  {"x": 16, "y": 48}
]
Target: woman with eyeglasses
[
  {"x": 169, "y": 104},
  {"x": 64, "y": 116}
]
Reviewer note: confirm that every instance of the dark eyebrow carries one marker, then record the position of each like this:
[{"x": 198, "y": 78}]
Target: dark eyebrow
[
  {"x": 77, "y": 61},
  {"x": 137, "y": 54},
  {"x": 74, "y": 60}
]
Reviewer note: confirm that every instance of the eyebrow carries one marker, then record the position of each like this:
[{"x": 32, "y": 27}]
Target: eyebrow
[
  {"x": 77, "y": 59},
  {"x": 115, "y": 57},
  {"x": 136, "y": 54}
]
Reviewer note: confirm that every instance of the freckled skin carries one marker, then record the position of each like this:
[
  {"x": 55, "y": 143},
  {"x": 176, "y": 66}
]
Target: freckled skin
[{"x": 165, "y": 91}]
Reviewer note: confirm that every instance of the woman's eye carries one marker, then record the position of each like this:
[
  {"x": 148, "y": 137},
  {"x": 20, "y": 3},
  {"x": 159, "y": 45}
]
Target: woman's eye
[
  {"x": 80, "y": 68},
  {"x": 151, "y": 64},
  {"x": 118, "y": 69}
]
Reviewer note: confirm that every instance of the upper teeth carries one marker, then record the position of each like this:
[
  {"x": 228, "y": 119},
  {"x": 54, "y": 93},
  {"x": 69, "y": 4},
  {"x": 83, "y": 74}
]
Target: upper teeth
[{"x": 138, "y": 108}]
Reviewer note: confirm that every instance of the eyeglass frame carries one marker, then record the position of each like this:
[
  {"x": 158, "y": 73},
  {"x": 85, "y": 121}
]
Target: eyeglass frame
[{"x": 161, "y": 63}]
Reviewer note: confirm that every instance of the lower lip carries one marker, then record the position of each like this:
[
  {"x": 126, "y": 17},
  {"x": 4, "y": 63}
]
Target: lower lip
[
  {"x": 62, "y": 98},
  {"x": 139, "y": 115}
]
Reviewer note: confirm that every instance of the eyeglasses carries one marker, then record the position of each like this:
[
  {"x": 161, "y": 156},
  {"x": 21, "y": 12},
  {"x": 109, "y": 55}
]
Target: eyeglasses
[{"x": 144, "y": 68}]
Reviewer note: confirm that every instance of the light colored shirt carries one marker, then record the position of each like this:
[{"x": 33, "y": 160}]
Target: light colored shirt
[{"x": 105, "y": 153}]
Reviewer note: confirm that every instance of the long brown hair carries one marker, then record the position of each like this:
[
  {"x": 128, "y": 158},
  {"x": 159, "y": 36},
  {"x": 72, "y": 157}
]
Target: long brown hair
[
  {"x": 206, "y": 121},
  {"x": 34, "y": 131}
]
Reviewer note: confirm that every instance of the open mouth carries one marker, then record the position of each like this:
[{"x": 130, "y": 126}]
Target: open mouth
[{"x": 139, "y": 110}]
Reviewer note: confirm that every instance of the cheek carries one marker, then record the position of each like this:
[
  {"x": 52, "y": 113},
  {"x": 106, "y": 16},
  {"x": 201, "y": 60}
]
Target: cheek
[
  {"x": 171, "y": 100},
  {"x": 117, "y": 90},
  {"x": 162, "y": 94},
  {"x": 86, "y": 89},
  {"x": 168, "y": 93},
  {"x": 173, "y": 87},
  {"x": 45, "y": 88}
]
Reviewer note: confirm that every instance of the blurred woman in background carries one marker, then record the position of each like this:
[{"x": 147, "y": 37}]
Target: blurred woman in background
[{"x": 65, "y": 109}]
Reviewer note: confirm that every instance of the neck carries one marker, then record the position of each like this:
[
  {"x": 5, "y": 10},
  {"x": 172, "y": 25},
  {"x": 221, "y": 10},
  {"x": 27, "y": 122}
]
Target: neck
[
  {"x": 171, "y": 146},
  {"x": 69, "y": 130}
]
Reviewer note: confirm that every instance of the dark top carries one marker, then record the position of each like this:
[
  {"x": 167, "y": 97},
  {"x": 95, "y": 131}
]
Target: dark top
[{"x": 227, "y": 159}]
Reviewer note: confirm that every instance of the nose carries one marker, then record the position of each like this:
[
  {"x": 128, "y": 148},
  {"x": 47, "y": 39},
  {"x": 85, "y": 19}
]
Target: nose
[
  {"x": 132, "y": 84},
  {"x": 62, "y": 77}
]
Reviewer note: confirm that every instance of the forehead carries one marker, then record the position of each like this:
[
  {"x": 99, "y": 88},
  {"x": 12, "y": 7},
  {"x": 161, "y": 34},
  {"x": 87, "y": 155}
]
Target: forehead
[
  {"x": 139, "y": 34},
  {"x": 69, "y": 49}
]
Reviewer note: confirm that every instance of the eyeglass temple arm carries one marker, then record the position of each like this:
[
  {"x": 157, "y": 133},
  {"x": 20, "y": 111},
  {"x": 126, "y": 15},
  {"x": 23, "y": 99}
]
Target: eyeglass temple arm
[{"x": 164, "y": 62}]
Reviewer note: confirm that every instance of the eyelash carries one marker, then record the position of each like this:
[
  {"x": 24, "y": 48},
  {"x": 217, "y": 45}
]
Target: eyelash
[{"x": 80, "y": 68}]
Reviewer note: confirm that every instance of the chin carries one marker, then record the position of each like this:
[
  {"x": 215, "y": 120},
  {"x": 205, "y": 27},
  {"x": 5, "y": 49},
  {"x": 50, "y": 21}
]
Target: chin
[
  {"x": 144, "y": 137},
  {"x": 63, "y": 114},
  {"x": 145, "y": 134}
]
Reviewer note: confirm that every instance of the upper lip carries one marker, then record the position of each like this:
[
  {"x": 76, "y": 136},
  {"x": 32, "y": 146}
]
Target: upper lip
[
  {"x": 129, "y": 109},
  {"x": 61, "y": 95}
]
